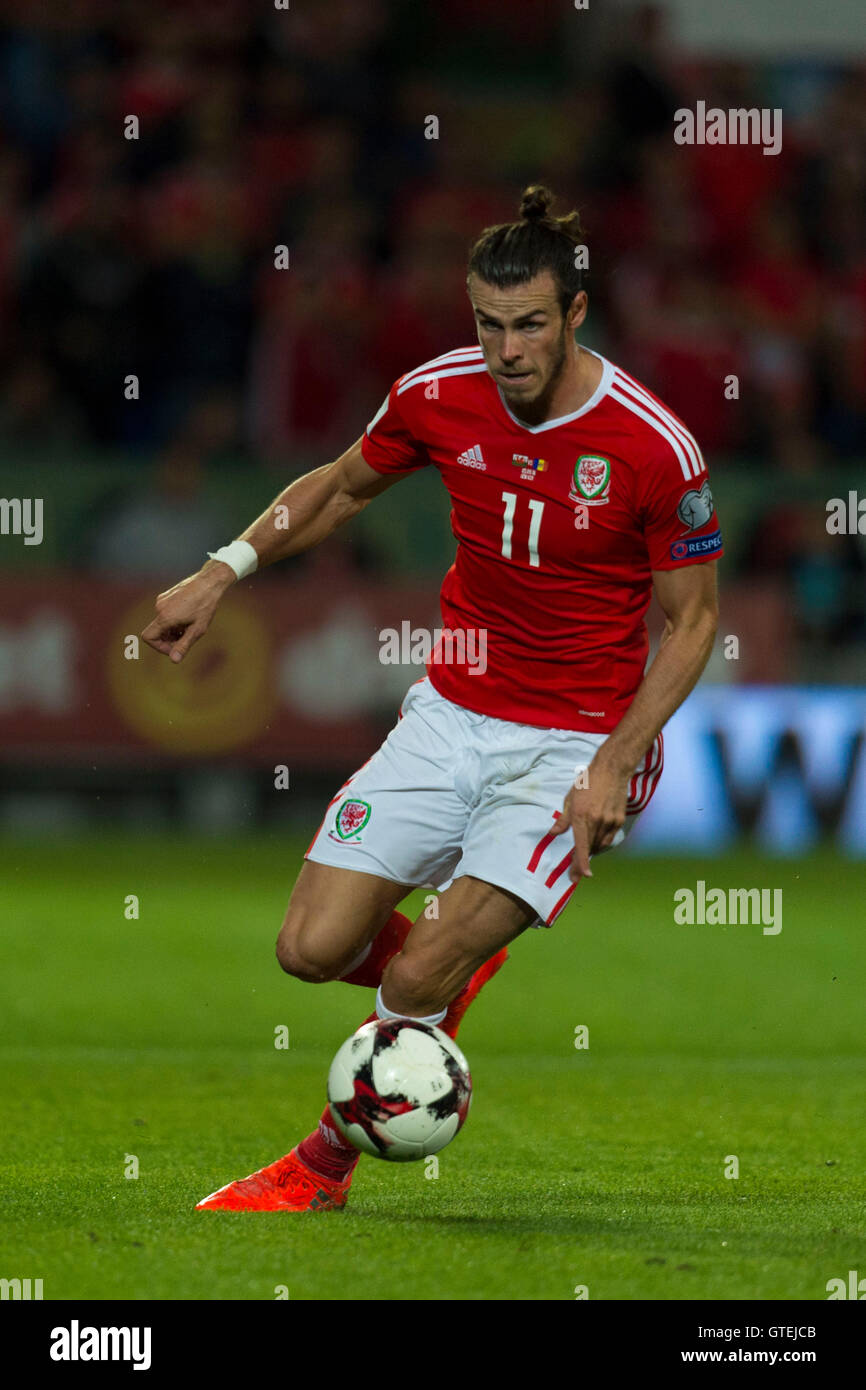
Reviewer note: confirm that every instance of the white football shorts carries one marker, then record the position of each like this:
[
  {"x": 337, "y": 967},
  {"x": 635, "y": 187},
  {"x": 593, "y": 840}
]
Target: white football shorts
[{"x": 451, "y": 792}]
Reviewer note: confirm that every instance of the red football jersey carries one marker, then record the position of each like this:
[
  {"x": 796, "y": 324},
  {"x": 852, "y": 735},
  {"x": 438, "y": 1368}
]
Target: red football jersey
[{"x": 558, "y": 526}]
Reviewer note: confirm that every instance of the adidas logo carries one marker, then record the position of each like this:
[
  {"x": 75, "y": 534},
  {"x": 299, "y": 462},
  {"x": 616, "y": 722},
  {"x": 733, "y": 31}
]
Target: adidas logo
[{"x": 472, "y": 458}]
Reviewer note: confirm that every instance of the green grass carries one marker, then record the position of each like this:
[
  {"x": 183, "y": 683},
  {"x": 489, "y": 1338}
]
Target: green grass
[{"x": 601, "y": 1167}]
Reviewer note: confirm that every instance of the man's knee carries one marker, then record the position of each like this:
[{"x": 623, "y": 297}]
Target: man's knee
[
  {"x": 303, "y": 959},
  {"x": 418, "y": 982},
  {"x": 332, "y": 915}
]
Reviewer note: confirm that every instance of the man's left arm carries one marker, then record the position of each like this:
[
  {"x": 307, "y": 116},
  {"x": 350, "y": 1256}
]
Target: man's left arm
[{"x": 688, "y": 599}]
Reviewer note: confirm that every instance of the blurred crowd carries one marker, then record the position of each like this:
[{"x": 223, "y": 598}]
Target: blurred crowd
[{"x": 307, "y": 126}]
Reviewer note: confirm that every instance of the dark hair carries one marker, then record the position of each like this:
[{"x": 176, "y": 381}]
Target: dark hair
[{"x": 514, "y": 252}]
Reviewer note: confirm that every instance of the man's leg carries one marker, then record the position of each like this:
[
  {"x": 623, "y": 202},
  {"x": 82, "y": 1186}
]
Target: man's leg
[
  {"x": 342, "y": 921},
  {"x": 333, "y": 916},
  {"x": 438, "y": 959},
  {"x": 340, "y": 924},
  {"x": 442, "y": 945},
  {"x": 456, "y": 948},
  {"x": 476, "y": 920}
]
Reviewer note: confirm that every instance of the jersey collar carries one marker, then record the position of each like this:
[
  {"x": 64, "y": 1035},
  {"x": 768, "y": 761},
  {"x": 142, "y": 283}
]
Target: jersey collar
[{"x": 601, "y": 390}]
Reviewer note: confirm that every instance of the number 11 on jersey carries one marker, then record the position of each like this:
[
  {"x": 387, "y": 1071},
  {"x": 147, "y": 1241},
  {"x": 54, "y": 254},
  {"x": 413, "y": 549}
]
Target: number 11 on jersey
[{"x": 537, "y": 508}]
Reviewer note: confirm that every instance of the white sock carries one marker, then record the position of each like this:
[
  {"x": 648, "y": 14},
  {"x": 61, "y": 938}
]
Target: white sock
[
  {"x": 359, "y": 960},
  {"x": 384, "y": 1012}
]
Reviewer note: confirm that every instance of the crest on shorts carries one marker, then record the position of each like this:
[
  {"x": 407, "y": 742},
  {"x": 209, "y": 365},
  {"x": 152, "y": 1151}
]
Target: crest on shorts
[
  {"x": 591, "y": 480},
  {"x": 352, "y": 816}
]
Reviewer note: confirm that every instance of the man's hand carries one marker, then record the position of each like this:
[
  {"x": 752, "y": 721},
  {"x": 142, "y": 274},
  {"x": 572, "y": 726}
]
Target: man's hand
[
  {"x": 594, "y": 813},
  {"x": 183, "y": 613},
  {"x": 316, "y": 505}
]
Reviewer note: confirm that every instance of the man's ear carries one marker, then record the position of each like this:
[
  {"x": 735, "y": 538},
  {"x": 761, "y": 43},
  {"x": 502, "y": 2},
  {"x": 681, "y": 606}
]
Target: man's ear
[{"x": 577, "y": 310}]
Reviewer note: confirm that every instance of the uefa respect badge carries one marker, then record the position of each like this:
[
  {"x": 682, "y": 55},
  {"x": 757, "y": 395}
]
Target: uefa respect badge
[
  {"x": 591, "y": 484},
  {"x": 352, "y": 816}
]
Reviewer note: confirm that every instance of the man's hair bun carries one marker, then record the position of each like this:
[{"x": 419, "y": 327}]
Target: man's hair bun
[{"x": 535, "y": 203}]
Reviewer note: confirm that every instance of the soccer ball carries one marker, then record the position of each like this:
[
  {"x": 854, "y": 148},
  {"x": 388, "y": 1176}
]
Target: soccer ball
[{"x": 399, "y": 1089}]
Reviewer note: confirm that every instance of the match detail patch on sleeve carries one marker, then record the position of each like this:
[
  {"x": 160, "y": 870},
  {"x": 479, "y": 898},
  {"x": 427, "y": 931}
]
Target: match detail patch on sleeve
[{"x": 697, "y": 546}]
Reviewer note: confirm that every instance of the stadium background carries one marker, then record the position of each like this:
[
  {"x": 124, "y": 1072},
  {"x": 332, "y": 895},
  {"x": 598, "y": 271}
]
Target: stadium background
[{"x": 154, "y": 257}]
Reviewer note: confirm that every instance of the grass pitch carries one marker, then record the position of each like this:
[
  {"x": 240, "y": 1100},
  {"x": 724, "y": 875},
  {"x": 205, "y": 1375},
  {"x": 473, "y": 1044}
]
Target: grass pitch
[{"x": 600, "y": 1167}]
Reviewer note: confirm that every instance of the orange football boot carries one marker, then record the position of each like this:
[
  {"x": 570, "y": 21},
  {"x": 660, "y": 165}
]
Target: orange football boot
[{"x": 287, "y": 1185}]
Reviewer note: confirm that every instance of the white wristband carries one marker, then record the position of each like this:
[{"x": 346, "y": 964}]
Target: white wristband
[{"x": 240, "y": 556}]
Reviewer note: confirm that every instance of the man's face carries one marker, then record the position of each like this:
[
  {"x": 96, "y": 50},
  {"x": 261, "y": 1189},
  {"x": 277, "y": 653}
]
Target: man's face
[{"x": 522, "y": 334}]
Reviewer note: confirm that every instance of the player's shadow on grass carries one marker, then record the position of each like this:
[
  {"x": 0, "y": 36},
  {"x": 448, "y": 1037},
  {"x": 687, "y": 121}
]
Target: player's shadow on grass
[
  {"x": 511, "y": 1225},
  {"x": 649, "y": 1235}
]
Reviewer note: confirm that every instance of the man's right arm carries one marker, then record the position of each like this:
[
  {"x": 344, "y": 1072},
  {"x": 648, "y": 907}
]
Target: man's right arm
[{"x": 304, "y": 514}]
